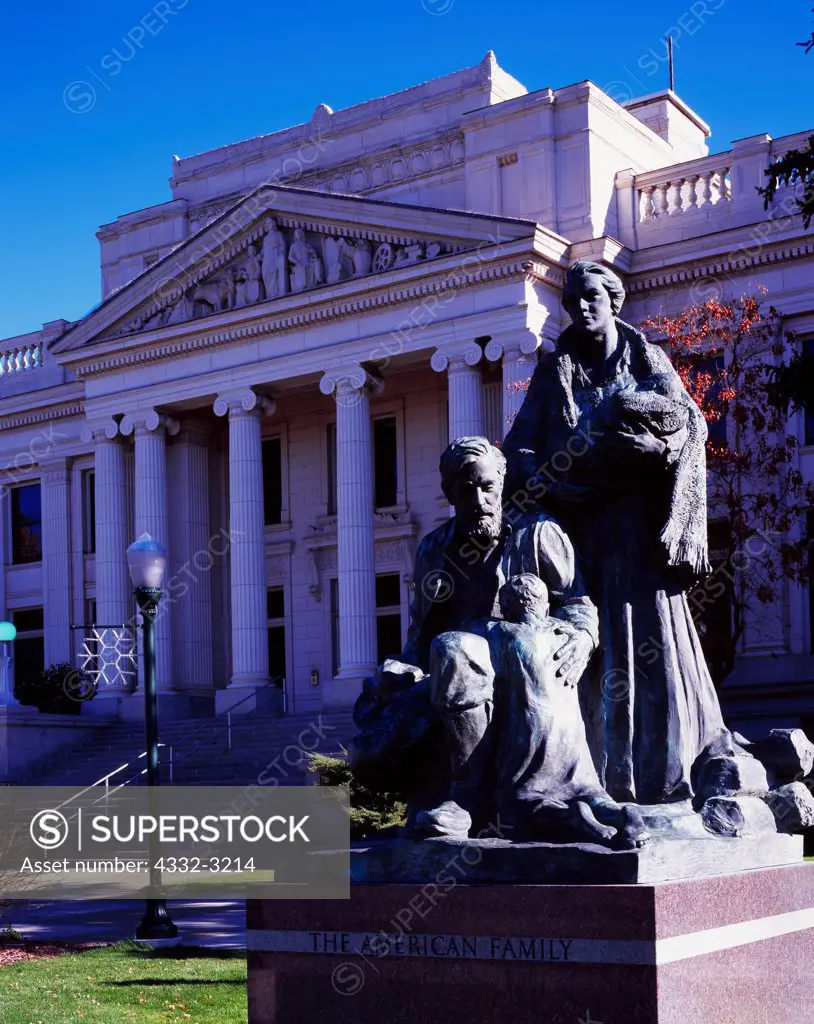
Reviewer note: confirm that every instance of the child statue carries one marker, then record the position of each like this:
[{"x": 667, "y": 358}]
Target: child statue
[{"x": 546, "y": 777}]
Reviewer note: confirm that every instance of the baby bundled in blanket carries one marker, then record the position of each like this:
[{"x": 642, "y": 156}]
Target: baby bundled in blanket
[{"x": 635, "y": 408}]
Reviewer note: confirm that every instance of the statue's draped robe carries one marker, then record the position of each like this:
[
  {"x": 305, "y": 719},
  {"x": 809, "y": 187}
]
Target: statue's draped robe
[{"x": 639, "y": 525}]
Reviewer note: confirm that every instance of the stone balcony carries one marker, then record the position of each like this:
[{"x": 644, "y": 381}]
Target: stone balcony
[
  {"x": 702, "y": 196},
  {"x": 25, "y": 364}
]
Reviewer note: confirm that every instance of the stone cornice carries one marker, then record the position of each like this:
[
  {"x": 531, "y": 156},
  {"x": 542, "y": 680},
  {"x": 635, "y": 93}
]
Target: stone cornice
[
  {"x": 30, "y": 417},
  {"x": 605, "y": 249},
  {"x": 736, "y": 261},
  {"x": 516, "y": 261}
]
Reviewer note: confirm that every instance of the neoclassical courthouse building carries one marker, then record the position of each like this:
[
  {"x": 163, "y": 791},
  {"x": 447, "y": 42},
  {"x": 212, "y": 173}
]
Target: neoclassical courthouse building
[{"x": 283, "y": 349}]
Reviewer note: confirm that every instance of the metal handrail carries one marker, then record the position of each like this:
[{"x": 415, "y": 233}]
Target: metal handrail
[
  {"x": 228, "y": 723},
  {"x": 105, "y": 778},
  {"x": 213, "y": 722}
]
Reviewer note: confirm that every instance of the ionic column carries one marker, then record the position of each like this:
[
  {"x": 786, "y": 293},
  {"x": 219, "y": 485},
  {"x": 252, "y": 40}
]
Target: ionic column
[
  {"x": 194, "y": 551},
  {"x": 56, "y": 561},
  {"x": 114, "y": 604},
  {"x": 466, "y": 416},
  {"x": 519, "y": 357},
  {"x": 151, "y": 429},
  {"x": 355, "y": 545},
  {"x": 250, "y": 667}
]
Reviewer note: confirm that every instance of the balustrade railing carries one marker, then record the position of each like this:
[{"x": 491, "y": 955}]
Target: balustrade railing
[
  {"x": 21, "y": 358},
  {"x": 705, "y": 184},
  {"x": 684, "y": 188}
]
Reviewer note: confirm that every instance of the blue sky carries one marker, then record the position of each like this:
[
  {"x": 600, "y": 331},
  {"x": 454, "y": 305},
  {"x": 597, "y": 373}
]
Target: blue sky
[{"x": 88, "y": 136}]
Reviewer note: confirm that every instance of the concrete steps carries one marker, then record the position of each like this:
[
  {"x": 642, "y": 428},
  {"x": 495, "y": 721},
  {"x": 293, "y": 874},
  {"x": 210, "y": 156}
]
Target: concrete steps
[{"x": 263, "y": 749}]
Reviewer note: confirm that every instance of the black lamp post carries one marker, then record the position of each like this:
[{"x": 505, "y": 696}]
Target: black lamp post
[{"x": 147, "y": 562}]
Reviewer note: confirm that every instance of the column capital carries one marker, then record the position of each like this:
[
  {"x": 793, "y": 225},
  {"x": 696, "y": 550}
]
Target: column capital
[
  {"x": 243, "y": 402},
  {"x": 349, "y": 380},
  {"x": 524, "y": 342},
  {"x": 150, "y": 421},
  {"x": 456, "y": 356},
  {"x": 100, "y": 430}
]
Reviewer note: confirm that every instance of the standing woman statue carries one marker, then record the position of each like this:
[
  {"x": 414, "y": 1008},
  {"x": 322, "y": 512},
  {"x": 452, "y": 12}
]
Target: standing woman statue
[
  {"x": 609, "y": 442},
  {"x": 274, "y": 263},
  {"x": 254, "y": 281}
]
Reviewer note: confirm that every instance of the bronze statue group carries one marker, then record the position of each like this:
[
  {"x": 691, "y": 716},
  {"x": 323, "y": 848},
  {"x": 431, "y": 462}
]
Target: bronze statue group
[{"x": 553, "y": 674}]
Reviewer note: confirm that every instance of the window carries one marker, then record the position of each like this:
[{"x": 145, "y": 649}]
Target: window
[
  {"x": 334, "y": 606},
  {"x": 29, "y": 646},
  {"x": 385, "y": 462},
  {"x": 273, "y": 480},
  {"x": 275, "y": 612},
  {"x": 26, "y": 524},
  {"x": 88, "y": 511},
  {"x": 388, "y": 616},
  {"x": 330, "y": 454},
  {"x": 808, "y": 352}
]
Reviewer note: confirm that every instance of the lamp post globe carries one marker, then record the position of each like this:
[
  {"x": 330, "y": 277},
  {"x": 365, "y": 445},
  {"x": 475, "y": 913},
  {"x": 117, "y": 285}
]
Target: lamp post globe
[{"x": 147, "y": 562}]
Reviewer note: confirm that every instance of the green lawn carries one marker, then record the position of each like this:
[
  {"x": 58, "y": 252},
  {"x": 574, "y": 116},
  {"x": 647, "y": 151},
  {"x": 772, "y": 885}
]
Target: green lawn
[{"x": 122, "y": 984}]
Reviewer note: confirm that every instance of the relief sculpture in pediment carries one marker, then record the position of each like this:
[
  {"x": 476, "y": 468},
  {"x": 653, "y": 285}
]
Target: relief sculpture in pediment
[
  {"x": 218, "y": 294},
  {"x": 339, "y": 253},
  {"x": 273, "y": 263},
  {"x": 306, "y": 264}
]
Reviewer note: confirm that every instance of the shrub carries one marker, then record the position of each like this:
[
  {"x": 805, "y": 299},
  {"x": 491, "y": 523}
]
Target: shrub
[
  {"x": 59, "y": 689},
  {"x": 371, "y": 813}
]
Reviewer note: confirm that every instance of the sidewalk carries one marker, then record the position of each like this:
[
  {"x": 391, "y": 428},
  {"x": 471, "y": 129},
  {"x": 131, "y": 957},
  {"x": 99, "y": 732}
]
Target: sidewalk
[{"x": 211, "y": 924}]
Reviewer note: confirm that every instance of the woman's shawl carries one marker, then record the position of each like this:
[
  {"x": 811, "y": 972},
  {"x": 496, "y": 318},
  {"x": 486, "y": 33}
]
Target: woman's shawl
[{"x": 547, "y": 422}]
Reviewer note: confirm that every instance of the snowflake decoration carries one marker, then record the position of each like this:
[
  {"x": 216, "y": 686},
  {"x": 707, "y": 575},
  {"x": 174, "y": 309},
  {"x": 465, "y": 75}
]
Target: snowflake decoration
[{"x": 108, "y": 658}]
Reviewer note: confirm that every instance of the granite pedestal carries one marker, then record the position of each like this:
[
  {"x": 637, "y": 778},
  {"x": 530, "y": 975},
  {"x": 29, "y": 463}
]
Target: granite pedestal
[{"x": 728, "y": 949}]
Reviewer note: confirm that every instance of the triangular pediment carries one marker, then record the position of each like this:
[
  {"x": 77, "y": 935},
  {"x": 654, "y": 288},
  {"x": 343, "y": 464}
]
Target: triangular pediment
[{"x": 279, "y": 245}]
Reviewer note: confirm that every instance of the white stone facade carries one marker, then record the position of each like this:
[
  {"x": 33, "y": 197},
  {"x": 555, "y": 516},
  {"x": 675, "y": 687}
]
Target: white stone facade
[{"x": 402, "y": 259}]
